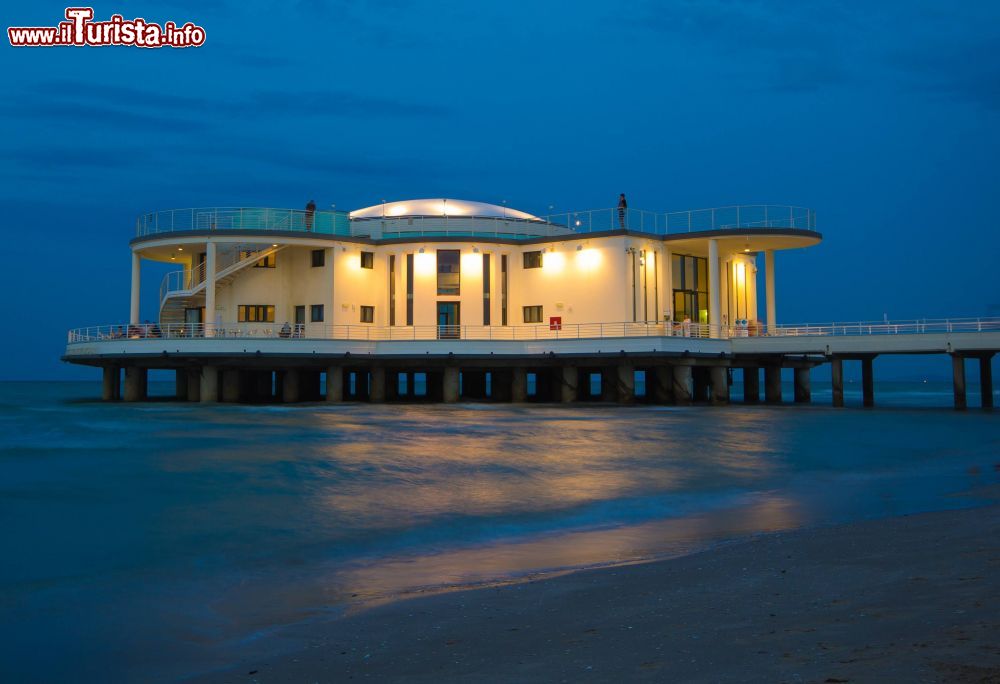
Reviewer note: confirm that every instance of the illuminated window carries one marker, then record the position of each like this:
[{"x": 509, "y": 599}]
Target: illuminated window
[
  {"x": 409, "y": 289},
  {"x": 503, "y": 289},
  {"x": 368, "y": 260},
  {"x": 367, "y": 314},
  {"x": 533, "y": 314},
  {"x": 449, "y": 272},
  {"x": 255, "y": 313},
  {"x": 486, "y": 289},
  {"x": 392, "y": 289},
  {"x": 690, "y": 285},
  {"x": 318, "y": 258},
  {"x": 532, "y": 259}
]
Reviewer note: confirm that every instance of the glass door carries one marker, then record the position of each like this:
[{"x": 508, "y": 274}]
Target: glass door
[{"x": 448, "y": 320}]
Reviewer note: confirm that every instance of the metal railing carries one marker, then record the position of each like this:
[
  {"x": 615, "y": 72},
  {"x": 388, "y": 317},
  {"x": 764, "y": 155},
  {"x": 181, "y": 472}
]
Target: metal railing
[
  {"x": 243, "y": 218},
  {"x": 552, "y": 331},
  {"x": 695, "y": 220},
  {"x": 229, "y": 259},
  {"x": 746, "y": 216}
]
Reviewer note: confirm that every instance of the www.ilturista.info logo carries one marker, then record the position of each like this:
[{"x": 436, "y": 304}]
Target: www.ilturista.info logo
[{"x": 80, "y": 29}]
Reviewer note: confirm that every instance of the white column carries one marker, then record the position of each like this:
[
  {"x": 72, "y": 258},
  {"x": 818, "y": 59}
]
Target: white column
[
  {"x": 133, "y": 314},
  {"x": 769, "y": 287},
  {"x": 209, "y": 288},
  {"x": 667, "y": 289},
  {"x": 714, "y": 301}
]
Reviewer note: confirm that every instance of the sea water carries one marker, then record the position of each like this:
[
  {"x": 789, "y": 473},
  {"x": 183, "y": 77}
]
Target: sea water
[{"x": 149, "y": 542}]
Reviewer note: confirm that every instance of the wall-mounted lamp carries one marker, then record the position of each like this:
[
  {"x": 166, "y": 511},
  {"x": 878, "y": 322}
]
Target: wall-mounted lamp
[
  {"x": 420, "y": 251},
  {"x": 579, "y": 248},
  {"x": 475, "y": 250}
]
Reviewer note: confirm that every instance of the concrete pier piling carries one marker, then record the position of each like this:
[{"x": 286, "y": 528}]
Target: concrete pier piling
[
  {"x": 335, "y": 383},
  {"x": 803, "y": 389},
  {"x": 450, "y": 388},
  {"x": 111, "y": 386},
  {"x": 867, "y": 382},
  {"x": 290, "y": 386},
  {"x": 958, "y": 380},
  {"x": 568, "y": 385},
  {"x": 625, "y": 384},
  {"x": 837, "y": 381},
  {"x": 659, "y": 384},
  {"x": 772, "y": 384},
  {"x": 135, "y": 383},
  {"x": 231, "y": 385},
  {"x": 986, "y": 380},
  {"x": 519, "y": 385},
  {"x": 718, "y": 380},
  {"x": 751, "y": 385},
  {"x": 209, "y": 393},
  {"x": 377, "y": 391},
  {"x": 682, "y": 385}
]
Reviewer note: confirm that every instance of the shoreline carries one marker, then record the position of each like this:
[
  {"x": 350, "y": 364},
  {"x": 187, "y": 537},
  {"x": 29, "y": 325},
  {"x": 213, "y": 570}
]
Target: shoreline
[{"x": 909, "y": 598}]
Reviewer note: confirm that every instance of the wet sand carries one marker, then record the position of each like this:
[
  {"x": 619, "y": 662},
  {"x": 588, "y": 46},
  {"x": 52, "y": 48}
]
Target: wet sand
[{"x": 907, "y": 599}]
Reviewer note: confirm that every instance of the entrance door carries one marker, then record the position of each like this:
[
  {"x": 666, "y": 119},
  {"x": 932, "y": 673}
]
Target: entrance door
[{"x": 448, "y": 320}]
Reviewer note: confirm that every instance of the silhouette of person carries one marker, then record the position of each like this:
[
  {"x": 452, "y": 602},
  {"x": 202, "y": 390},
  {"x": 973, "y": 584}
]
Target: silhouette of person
[
  {"x": 310, "y": 212},
  {"x": 622, "y": 207}
]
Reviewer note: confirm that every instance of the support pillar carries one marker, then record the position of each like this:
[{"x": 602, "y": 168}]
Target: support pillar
[
  {"x": 450, "y": 385},
  {"x": 803, "y": 389},
  {"x": 193, "y": 384},
  {"x": 231, "y": 385},
  {"x": 181, "y": 384},
  {"x": 568, "y": 387},
  {"x": 714, "y": 299},
  {"x": 135, "y": 383},
  {"x": 133, "y": 312},
  {"x": 377, "y": 394},
  {"x": 209, "y": 393},
  {"x": 751, "y": 385},
  {"x": 111, "y": 388},
  {"x": 837, "y": 381},
  {"x": 772, "y": 314},
  {"x": 290, "y": 386},
  {"x": 209, "y": 289},
  {"x": 335, "y": 383},
  {"x": 626, "y": 383},
  {"x": 772, "y": 384},
  {"x": 682, "y": 385},
  {"x": 986, "y": 380},
  {"x": 662, "y": 384},
  {"x": 958, "y": 380},
  {"x": 519, "y": 385},
  {"x": 867, "y": 382},
  {"x": 718, "y": 381}
]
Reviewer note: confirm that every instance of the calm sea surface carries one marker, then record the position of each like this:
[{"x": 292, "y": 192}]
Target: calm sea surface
[{"x": 153, "y": 541}]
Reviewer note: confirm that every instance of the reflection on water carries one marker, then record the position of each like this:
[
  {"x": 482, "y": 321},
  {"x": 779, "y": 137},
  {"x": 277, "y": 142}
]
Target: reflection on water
[{"x": 160, "y": 539}]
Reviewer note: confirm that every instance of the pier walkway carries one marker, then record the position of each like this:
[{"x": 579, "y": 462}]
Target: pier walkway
[{"x": 682, "y": 362}]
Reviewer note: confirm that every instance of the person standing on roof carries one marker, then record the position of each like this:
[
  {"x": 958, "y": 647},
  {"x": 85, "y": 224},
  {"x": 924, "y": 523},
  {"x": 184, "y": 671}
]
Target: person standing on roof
[
  {"x": 310, "y": 212},
  {"x": 622, "y": 208}
]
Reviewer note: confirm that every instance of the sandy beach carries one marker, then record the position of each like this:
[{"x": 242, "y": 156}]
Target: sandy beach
[{"x": 907, "y": 599}]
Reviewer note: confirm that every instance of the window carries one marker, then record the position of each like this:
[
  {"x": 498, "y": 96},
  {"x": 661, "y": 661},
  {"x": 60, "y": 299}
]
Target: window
[
  {"x": 368, "y": 260},
  {"x": 533, "y": 314},
  {"x": 318, "y": 258},
  {"x": 367, "y": 314},
  {"x": 392, "y": 289},
  {"x": 690, "y": 280},
  {"x": 503, "y": 289},
  {"x": 300, "y": 314},
  {"x": 316, "y": 313},
  {"x": 486, "y": 289},
  {"x": 532, "y": 259},
  {"x": 409, "y": 289},
  {"x": 264, "y": 262},
  {"x": 255, "y": 313},
  {"x": 449, "y": 275}
]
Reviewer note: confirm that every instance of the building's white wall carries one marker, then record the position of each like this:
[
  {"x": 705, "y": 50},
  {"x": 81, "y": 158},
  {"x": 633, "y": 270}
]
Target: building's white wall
[{"x": 592, "y": 284}]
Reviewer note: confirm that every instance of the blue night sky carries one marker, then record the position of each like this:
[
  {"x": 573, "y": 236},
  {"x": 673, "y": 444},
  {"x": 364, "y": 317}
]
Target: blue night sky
[{"x": 882, "y": 116}]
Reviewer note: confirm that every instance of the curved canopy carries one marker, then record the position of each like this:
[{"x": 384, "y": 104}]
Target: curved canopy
[{"x": 441, "y": 207}]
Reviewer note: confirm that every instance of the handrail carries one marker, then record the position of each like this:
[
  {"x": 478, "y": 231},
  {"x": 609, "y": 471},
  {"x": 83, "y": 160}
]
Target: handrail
[
  {"x": 187, "y": 282},
  {"x": 733, "y": 217},
  {"x": 551, "y": 331}
]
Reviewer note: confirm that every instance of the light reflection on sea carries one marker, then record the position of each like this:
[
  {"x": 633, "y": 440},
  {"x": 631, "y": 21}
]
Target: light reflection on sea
[{"x": 157, "y": 540}]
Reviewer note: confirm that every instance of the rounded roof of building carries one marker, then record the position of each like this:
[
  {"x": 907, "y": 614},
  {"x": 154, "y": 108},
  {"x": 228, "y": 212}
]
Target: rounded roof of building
[{"x": 441, "y": 207}]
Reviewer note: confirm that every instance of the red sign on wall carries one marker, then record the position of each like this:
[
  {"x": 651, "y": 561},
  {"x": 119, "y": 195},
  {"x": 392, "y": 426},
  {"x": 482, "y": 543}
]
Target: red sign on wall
[{"x": 555, "y": 322}]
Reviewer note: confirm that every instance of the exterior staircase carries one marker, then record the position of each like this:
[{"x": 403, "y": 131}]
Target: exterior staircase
[{"x": 185, "y": 289}]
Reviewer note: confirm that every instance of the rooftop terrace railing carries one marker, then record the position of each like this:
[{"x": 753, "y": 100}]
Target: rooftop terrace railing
[
  {"x": 243, "y": 219},
  {"x": 588, "y": 221},
  {"x": 360, "y": 332}
]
